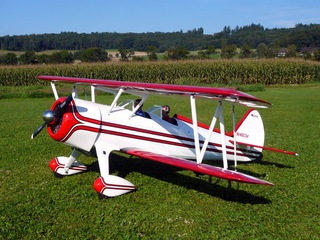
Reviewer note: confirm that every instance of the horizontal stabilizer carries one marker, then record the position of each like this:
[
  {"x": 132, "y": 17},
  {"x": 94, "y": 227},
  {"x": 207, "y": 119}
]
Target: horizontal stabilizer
[
  {"x": 199, "y": 168},
  {"x": 266, "y": 148}
]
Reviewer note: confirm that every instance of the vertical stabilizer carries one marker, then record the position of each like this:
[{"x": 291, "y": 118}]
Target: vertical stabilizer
[{"x": 250, "y": 129}]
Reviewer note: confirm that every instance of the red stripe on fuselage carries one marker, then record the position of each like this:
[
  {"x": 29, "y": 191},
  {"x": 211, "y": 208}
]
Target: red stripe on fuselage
[{"x": 119, "y": 127}]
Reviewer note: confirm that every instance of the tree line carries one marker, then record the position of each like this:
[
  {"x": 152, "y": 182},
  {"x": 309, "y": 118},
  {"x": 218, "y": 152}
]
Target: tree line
[
  {"x": 75, "y": 41},
  {"x": 228, "y": 41},
  {"x": 252, "y": 35},
  {"x": 173, "y": 53},
  {"x": 62, "y": 56}
]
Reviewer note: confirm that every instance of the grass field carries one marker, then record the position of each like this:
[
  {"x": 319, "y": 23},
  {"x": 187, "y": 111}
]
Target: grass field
[{"x": 169, "y": 203}]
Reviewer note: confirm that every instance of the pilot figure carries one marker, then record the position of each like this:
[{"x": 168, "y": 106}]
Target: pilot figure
[
  {"x": 140, "y": 112},
  {"x": 165, "y": 115}
]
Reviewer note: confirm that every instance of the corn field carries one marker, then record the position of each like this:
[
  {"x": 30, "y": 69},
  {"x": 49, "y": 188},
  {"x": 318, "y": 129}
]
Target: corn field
[{"x": 218, "y": 72}]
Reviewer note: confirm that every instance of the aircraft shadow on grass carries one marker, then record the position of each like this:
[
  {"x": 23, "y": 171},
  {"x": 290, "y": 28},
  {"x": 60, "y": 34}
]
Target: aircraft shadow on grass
[
  {"x": 124, "y": 166},
  {"x": 278, "y": 165},
  {"x": 261, "y": 162}
]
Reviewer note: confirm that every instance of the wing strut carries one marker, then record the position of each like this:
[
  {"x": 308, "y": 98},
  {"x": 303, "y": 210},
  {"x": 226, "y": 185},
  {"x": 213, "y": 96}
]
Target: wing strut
[
  {"x": 115, "y": 100},
  {"x": 218, "y": 114},
  {"x": 223, "y": 135},
  {"x": 234, "y": 136},
  {"x": 210, "y": 131},
  {"x": 195, "y": 128},
  {"x": 93, "y": 94},
  {"x": 54, "y": 90}
]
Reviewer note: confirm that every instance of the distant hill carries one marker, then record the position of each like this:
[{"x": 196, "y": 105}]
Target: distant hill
[{"x": 252, "y": 35}]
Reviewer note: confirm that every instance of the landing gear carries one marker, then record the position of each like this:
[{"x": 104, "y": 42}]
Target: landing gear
[
  {"x": 109, "y": 185},
  {"x": 112, "y": 186},
  {"x": 58, "y": 166},
  {"x": 106, "y": 185},
  {"x": 65, "y": 166}
]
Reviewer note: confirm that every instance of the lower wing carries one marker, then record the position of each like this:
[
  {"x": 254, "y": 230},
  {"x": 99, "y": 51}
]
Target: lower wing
[{"x": 198, "y": 168}]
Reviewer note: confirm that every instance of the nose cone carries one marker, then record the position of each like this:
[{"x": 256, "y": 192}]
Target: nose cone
[{"x": 48, "y": 116}]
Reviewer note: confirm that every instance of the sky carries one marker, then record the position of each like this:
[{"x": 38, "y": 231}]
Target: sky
[{"x": 21, "y": 17}]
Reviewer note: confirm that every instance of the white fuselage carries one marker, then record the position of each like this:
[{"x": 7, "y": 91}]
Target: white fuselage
[{"x": 120, "y": 129}]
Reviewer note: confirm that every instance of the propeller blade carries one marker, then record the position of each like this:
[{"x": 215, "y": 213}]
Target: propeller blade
[
  {"x": 36, "y": 132},
  {"x": 49, "y": 116},
  {"x": 57, "y": 112},
  {"x": 66, "y": 102}
]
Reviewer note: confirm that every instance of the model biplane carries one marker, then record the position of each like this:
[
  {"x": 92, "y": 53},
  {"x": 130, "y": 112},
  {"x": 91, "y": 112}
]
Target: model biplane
[{"x": 97, "y": 129}]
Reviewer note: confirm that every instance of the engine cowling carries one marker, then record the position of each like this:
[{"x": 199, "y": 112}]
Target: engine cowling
[{"x": 78, "y": 126}]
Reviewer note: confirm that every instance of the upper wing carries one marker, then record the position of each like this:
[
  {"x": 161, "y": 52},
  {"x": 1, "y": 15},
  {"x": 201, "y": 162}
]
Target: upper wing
[
  {"x": 199, "y": 168},
  {"x": 206, "y": 92}
]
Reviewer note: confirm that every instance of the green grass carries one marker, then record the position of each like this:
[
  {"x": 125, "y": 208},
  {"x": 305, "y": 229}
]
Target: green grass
[{"x": 168, "y": 204}]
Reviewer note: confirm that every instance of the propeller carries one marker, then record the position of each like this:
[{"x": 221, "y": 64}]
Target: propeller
[{"x": 49, "y": 116}]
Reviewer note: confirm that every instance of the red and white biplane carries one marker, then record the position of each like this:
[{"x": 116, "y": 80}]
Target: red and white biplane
[{"x": 97, "y": 129}]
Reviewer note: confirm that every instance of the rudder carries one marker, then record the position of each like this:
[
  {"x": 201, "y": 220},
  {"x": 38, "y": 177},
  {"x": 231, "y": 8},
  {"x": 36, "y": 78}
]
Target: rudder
[{"x": 250, "y": 129}]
